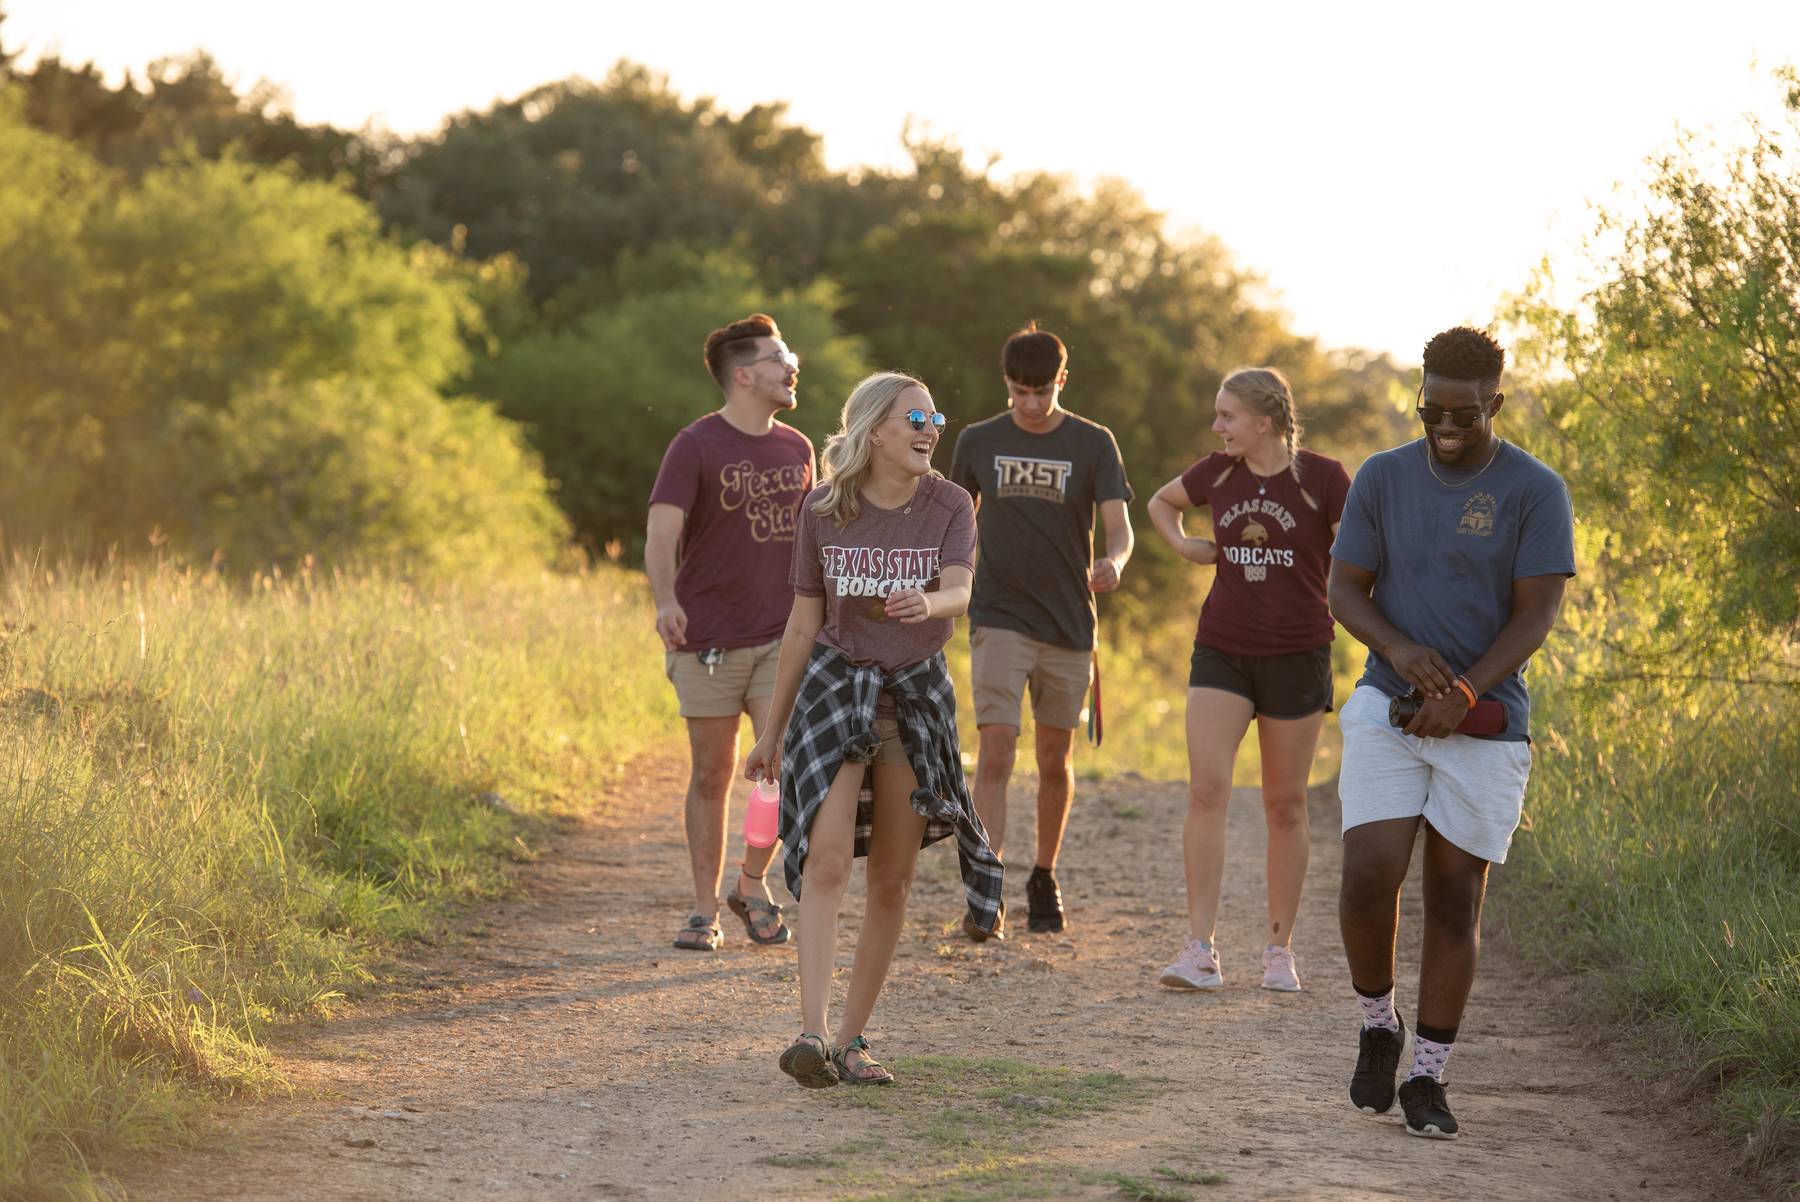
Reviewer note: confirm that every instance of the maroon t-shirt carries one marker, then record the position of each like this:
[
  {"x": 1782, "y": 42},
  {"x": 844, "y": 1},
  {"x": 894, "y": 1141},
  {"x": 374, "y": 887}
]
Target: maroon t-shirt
[
  {"x": 881, "y": 550},
  {"x": 1268, "y": 592},
  {"x": 740, "y": 493}
]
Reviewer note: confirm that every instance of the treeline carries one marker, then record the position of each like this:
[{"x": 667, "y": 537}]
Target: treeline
[{"x": 256, "y": 339}]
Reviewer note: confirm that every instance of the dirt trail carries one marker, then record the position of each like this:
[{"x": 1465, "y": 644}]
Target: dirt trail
[{"x": 566, "y": 1051}]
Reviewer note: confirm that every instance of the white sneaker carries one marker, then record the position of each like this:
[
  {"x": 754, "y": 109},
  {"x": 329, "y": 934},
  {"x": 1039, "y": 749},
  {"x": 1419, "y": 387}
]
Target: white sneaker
[
  {"x": 1278, "y": 970},
  {"x": 1196, "y": 968}
]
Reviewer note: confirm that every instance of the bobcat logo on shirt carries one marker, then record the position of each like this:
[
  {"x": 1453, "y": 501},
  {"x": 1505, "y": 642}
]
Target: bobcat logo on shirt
[
  {"x": 878, "y": 571},
  {"x": 1255, "y": 556},
  {"x": 1044, "y": 479},
  {"x": 1478, "y": 515},
  {"x": 762, "y": 496}
]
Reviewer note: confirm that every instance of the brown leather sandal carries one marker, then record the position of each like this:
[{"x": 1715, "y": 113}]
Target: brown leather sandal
[
  {"x": 701, "y": 934},
  {"x": 762, "y": 917}
]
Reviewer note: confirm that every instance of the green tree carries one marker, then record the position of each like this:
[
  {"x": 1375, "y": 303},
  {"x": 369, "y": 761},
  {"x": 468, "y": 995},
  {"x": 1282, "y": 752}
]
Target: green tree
[
  {"x": 1674, "y": 393},
  {"x": 603, "y": 395},
  {"x": 572, "y": 174},
  {"x": 397, "y": 477},
  {"x": 184, "y": 105},
  {"x": 139, "y": 324}
]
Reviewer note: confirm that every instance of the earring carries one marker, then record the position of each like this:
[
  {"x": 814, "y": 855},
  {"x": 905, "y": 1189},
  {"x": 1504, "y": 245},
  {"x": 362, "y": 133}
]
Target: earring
[{"x": 875, "y": 442}]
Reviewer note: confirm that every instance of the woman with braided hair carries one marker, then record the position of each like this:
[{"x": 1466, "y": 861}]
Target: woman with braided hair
[{"x": 1262, "y": 651}]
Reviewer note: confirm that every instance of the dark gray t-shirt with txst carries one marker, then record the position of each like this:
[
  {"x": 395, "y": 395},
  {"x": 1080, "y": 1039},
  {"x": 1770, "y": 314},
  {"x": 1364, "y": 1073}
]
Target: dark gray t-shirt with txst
[
  {"x": 1039, "y": 494},
  {"x": 1445, "y": 551}
]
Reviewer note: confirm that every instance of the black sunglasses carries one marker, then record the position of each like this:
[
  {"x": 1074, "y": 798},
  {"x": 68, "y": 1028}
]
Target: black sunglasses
[
  {"x": 1464, "y": 418},
  {"x": 916, "y": 418}
]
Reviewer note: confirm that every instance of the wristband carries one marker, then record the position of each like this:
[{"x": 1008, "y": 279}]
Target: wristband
[{"x": 1468, "y": 690}]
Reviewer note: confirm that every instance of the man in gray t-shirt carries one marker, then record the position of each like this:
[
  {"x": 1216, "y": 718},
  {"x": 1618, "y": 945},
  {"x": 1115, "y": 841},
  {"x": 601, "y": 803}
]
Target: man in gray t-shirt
[
  {"x": 1038, "y": 474},
  {"x": 1449, "y": 565}
]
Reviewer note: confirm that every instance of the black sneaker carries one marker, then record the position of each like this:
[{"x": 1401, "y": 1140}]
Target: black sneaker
[
  {"x": 1377, "y": 1060},
  {"x": 1427, "y": 1110},
  {"x": 1045, "y": 900},
  {"x": 980, "y": 936}
]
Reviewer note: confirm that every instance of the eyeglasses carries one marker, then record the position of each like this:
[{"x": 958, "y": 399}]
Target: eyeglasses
[
  {"x": 1464, "y": 418},
  {"x": 916, "y": 418},
  {"x": 786, "y": 358}
]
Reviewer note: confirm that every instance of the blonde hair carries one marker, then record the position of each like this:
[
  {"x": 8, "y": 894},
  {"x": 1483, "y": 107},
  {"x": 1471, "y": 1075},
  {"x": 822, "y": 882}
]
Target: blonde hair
[
  {"x": 844, "y": 464},
  {"x": 1268, "y": 394}
]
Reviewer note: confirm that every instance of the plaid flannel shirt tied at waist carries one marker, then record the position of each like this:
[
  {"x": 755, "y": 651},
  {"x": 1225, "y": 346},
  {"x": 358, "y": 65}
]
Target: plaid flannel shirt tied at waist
[{"x": 834, "y": 721}]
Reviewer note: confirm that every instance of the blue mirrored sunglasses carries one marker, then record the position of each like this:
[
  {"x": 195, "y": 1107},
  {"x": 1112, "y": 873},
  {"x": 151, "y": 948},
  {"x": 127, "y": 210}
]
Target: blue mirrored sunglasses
[{"x": 916, "y": 418}]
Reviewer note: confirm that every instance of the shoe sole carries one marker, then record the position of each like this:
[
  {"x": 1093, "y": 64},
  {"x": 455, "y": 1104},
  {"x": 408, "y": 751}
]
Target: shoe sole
[
  {"x": 807, "y": 1065},
  {"x": 1048, "y": 926},
  {"x": 1431, "y": 1131},
  {"x": 975, "y": 934},
  {"x": 1281, "y": 988},
  {"x": 871, "y": 1082},
  {"x": 1176, "y": 981},
  {"x": 1370, "y": 1110}
]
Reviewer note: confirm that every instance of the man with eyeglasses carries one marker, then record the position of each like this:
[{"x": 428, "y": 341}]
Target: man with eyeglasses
[
  {"x": 1449, "y": 565},
  {"x": 726, "y": 500},
  {"x": 1038, "y": 474}
]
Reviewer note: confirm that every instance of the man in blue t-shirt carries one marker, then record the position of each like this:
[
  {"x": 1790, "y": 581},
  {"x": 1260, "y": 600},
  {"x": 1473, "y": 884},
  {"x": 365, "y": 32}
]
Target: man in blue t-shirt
[{"x": 1449, "y": 565}]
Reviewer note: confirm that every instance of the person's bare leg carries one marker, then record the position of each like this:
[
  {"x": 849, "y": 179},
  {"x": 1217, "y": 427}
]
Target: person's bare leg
[
  {"x": 712, "y": 750},
  {"x": 999, "y": 748},
  {"x": 893, "y": 854},
  {"x": 1455, "y": 883},
  {"x": 1376, "y": 855},
  {"x": 1056, "y": 791},
  {"x": 831, "y": 846},
  {"x": 756, "y": 859},
  {"x": 1287, "y": 755},
  {"x": 1216, "y": 721}
]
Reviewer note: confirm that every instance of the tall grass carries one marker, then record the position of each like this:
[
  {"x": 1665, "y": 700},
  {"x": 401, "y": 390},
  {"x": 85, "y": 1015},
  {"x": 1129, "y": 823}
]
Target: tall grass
[
  {"x": 218, "y": 803},
  {"x": 1660, "y": 865}
]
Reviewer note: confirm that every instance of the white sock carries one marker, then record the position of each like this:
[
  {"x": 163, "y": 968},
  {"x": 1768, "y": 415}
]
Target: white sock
[
  {"x": 1378, "y": 1011},
  {"x": 1429, "y": 1058}
]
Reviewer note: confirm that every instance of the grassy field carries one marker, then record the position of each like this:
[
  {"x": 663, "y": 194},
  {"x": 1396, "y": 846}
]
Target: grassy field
[
  {"x": 222, "y": 805},
  {"x": 1660, "y": 869}
]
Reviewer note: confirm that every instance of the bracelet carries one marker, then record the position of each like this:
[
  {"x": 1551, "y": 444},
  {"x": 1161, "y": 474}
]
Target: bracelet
[{"x": 1468, "y": 690}]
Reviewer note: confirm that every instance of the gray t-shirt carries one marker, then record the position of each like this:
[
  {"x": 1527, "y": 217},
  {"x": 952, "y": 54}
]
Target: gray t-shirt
[
  {"x": 855, "y": 567},
  {"x": 1445, "y": 555},
  {"x": 1038, "y": 494}
]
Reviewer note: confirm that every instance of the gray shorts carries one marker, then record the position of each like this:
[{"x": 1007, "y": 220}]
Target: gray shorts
[{"x": 1472, "y": 790}]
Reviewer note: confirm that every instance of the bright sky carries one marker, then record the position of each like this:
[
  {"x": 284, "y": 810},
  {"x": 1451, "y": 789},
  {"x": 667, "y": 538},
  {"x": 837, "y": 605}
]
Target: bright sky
[{"x": 1390, "y": 168}]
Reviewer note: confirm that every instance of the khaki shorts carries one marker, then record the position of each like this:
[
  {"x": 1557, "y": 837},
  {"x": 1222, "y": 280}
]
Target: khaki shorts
[
  {"x": 893, "y": 751},
  {"x": 746, "y": 674},
  {"x": 1003, "y": 663}
]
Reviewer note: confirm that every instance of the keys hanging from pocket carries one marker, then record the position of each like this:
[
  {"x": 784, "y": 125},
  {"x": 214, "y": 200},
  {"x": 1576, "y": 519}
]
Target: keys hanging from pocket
[{"x": 712, "y": 657}]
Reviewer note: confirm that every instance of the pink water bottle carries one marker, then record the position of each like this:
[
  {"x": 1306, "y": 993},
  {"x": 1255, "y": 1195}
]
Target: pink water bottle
[{"x": 762, "y": 814}]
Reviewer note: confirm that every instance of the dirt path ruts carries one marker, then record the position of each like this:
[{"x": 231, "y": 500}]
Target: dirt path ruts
[{"x": 566, "y": 1051}]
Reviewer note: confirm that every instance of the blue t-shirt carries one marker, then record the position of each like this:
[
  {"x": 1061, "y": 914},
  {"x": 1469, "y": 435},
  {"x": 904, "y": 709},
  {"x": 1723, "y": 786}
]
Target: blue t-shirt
[{"x": 1445, "y": 553}]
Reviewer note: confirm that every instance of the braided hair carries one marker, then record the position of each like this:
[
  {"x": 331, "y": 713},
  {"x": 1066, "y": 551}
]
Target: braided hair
[{"x": 1268, "y": 394}]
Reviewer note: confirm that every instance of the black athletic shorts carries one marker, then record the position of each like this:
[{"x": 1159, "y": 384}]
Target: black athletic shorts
[{"x": 1279, "y": 686}]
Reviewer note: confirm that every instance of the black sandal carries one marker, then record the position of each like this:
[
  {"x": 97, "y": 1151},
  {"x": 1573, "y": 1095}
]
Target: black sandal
[
  {"x": 871, "y": 1072},
  {"x": 807, "y": 1061},
  {"x": 752, "y": 908}
]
